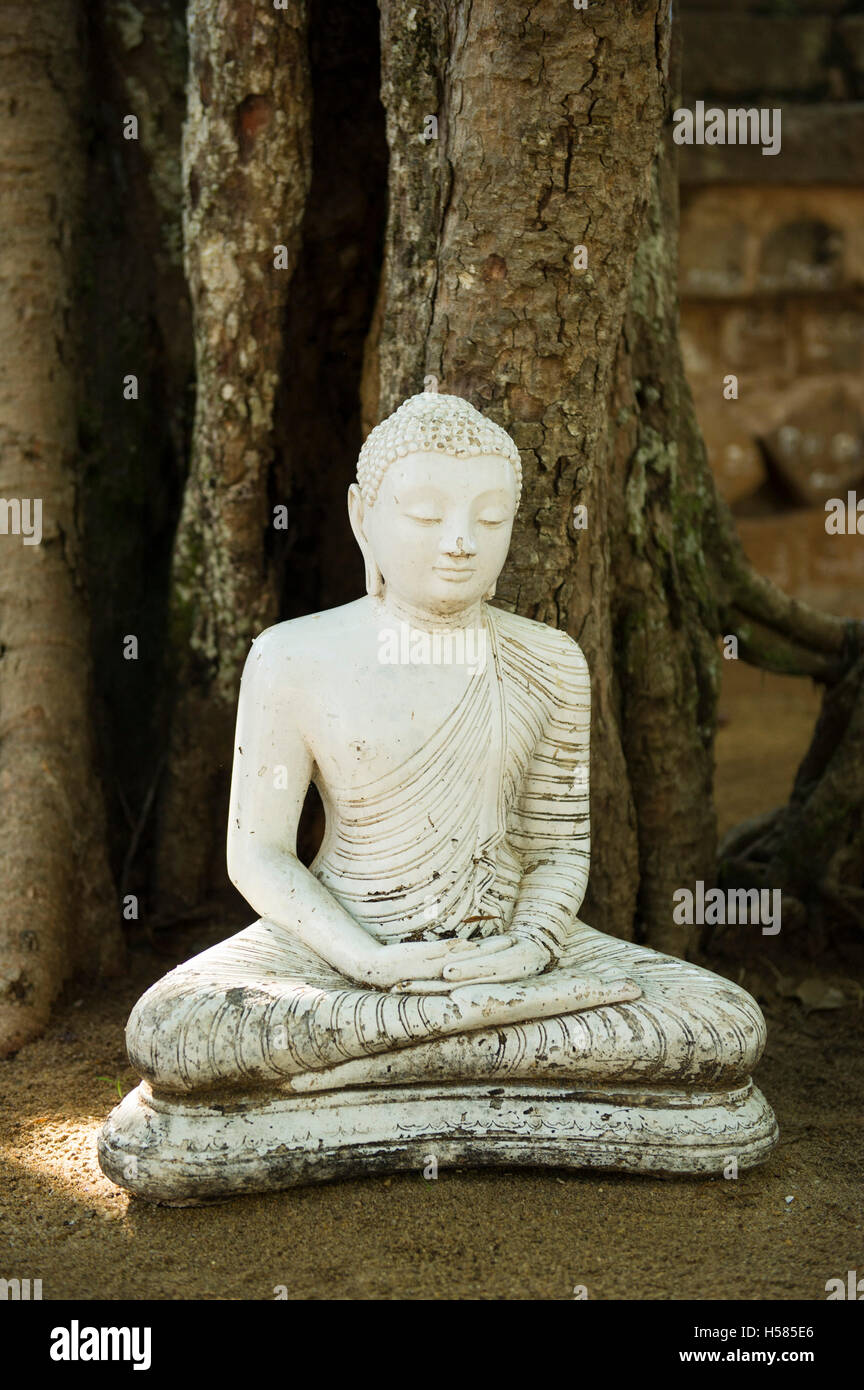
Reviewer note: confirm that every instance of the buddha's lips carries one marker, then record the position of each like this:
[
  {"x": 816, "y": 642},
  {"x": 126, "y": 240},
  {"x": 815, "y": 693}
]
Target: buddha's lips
[{"x": 452, "y": 572}]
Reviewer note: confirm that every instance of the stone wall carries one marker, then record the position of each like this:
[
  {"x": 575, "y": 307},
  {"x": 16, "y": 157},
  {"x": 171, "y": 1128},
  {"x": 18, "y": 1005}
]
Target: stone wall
[{"x": 772, "y": 281}]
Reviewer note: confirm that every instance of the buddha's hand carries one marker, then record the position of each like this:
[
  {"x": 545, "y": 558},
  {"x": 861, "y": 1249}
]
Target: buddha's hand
[
  {"x": 404, "y": 965},
  {"x": 495, "y": 959}
]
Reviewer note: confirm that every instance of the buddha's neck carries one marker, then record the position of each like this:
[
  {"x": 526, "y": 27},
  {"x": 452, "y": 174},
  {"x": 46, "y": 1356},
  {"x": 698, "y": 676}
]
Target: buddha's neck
[{"x": 400, "y": 611}]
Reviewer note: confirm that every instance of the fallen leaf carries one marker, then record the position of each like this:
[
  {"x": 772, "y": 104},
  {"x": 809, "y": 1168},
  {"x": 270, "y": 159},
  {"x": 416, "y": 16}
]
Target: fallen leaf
[{"x": 818, "y": 994}]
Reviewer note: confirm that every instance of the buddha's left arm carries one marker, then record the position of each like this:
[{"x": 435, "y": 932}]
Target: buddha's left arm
[{"x": 550, "y": 830}]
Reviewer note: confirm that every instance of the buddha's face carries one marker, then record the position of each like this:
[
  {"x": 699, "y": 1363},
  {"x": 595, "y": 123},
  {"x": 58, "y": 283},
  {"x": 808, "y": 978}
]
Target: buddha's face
[{"x": 439, "y": 529}]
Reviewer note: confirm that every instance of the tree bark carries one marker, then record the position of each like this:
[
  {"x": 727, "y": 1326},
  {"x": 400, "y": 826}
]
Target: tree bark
[
  {"x": 680, "y": 582},
  {"x": 246, "y": 168},
  {"x": 548, "y": 124},
  {"x": 663, "y": 606},
  {"x": 58, "y": 912}
]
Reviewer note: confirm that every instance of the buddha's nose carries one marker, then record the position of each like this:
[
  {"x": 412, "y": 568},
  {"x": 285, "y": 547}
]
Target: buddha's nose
[{"x": 462, "y": 545}]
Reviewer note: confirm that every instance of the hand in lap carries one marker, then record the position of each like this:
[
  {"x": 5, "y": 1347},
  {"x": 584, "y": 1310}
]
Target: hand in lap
[{"x": 495, "y": 959}]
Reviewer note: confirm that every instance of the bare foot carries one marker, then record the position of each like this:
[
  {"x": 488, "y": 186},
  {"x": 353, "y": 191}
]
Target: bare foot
[{"x": 541, "y": 997}]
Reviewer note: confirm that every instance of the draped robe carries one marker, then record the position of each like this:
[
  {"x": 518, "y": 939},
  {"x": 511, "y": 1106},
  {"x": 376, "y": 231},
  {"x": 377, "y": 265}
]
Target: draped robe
[{"x": 443, "y": 844}]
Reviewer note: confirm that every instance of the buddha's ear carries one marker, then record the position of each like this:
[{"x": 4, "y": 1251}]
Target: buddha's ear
[{"x": 356, "y": 514}]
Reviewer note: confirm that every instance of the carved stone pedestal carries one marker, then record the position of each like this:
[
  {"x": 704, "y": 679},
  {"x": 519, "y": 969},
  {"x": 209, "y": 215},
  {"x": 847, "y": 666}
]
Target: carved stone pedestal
[{"x": 183, "y": 1152}]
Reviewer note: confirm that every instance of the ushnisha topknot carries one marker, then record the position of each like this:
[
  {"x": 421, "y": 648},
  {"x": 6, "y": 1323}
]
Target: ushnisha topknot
[{"x": 432, "y": 421}]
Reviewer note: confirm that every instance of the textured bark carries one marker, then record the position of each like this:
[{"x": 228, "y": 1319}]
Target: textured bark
[
  {"x": 680, "y": 581},
  {"x": 246, "y": 168},
  {"x": 58, "y": 911},
  {"x": 548, "y": 123},
  {"x": 664, "y": 613}
]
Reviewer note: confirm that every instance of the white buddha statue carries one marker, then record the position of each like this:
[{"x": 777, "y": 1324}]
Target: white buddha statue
[{"x": 426, "y": 986}]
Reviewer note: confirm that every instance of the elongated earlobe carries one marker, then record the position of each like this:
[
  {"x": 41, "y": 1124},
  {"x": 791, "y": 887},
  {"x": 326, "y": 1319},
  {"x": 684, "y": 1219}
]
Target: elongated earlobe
[
  {"x": 374, "y": 577},
  {"x": 356, "y": 511}
]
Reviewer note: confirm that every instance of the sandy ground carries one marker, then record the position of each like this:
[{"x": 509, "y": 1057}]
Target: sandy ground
[{"x": 475, "y": 1235}]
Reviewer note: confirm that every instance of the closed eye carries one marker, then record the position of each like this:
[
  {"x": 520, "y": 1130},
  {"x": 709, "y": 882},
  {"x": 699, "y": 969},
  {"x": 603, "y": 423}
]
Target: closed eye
[
  {"x": 425, "y": 520},
  {"x": 492, "y": 521}
]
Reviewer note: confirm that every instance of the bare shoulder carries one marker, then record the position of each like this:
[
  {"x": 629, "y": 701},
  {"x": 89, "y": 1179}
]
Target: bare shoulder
[
  {"x": 293, "y": 653},
  {"x": 557, "y": 649}
]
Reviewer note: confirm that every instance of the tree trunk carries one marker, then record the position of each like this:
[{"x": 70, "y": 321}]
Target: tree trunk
[
  {"x": 681, "y": 580},
  {"x": 664, "y": 611},
  {"x": 246, "y": 166},
  {"x": 548, "y": 124},
  {"x": 58, "y": 911},
  {"x": 553, "y": 134}
]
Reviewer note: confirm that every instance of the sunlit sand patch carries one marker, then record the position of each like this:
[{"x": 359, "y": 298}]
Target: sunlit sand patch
[{"x": 64, "y": 1152}]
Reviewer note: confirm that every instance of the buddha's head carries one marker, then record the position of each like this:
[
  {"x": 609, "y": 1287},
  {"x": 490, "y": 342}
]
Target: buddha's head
[{"x": 433, "y": 506}]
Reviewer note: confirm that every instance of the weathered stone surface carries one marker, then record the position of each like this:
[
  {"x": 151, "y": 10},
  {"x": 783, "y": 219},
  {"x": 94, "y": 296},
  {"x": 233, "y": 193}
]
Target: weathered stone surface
[
  {"x": 770, "y": 342},
  {"x": 701, "y": 328},
  {"x": 829, "y": 336},
  {"x": 806, "y": 254},
  {"x": 713, "y": 254},
  {"x": 751, "y": 340},
  {"x": 171, "y": 1151},
  {"x": 755, "y": 340}
]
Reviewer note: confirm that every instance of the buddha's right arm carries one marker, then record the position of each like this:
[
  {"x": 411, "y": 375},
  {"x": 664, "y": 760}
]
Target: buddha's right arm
[
  {"x": 280, "y": 888},
  {"x": 272, "y": 771},
  {"x": 271, "y": 775}
]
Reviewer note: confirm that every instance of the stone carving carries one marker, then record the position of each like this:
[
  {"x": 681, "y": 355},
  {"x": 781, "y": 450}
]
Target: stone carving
[{"x": 426, "y": 986}]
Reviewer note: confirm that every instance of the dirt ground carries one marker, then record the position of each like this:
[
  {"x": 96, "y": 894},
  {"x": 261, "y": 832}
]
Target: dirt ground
[{"x": 779, "y": 1232}]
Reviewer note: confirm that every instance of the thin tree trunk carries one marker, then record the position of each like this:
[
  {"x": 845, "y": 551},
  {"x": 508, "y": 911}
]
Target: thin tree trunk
[
  {"x": 664, "y": 612},
  {"x": 246, "y": 169},
  {"x": 58, "y": 911}
]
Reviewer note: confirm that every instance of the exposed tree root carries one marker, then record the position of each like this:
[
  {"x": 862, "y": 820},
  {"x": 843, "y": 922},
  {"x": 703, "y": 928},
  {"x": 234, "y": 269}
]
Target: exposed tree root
[
  {"x": 812, "y": 849},
  {"x": 775, "y": 631}
]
